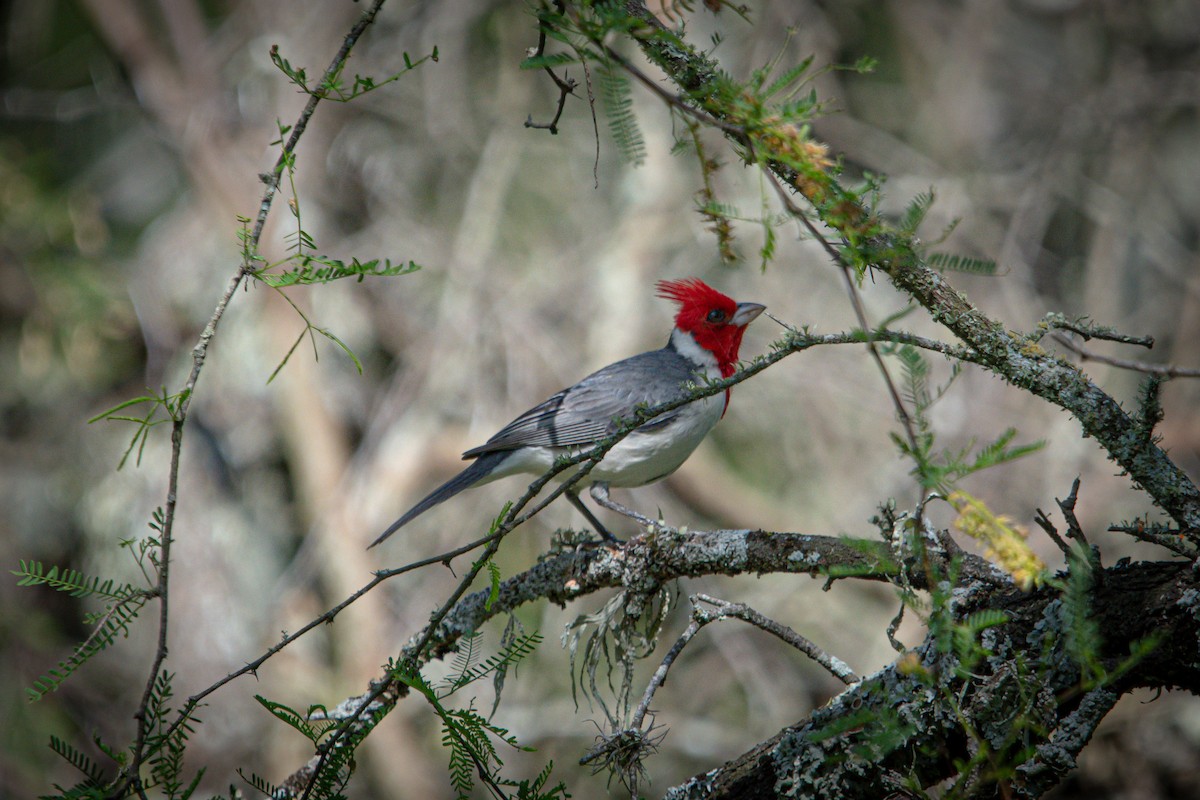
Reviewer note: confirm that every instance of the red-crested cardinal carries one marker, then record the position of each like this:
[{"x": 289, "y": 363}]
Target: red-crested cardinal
[{"x": 703, "y": 345}]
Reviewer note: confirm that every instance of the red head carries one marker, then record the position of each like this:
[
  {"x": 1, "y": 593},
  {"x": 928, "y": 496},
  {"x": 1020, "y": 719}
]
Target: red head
[{"x": 713, "y": 319}]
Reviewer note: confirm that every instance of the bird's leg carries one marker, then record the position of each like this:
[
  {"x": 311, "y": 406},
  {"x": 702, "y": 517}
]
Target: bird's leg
[
  {"x": 599, "y": 493},
  {"x": 587, "y": 513}
]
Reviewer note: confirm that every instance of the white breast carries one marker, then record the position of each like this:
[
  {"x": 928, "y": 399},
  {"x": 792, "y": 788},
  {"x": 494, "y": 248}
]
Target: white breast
[{"x": 642, "y": 458}]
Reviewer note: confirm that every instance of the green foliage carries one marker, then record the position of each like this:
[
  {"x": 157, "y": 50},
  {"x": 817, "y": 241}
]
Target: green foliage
[
  {"x": 549, "y": 60},
  {"x": 1082, "y": 631},
  {"x": 165, "y": 744},
  {"x": 468, "y": 734},
  {"x": 336, "y": 741},
  {"x": 126, "y": 602},
  {"x": 787, "y": 81},
  {"x": 312, "y": 729},
  {"x": 942, "y": 471},
  {"x": 93, "y": 775},
  {"x": 716, "y": 215},
  {"x": 73, "y": 582},
  {"x": 966, "y": 638},
  {"x": 494, "y": 590},
  {"x": 333, "y": 86},
  {"x": 767, "y": 251},
  {"x": 914, "y": 215},
  {"x": 878, "y": 557},
  {"x": 171, "y": 404},
  {"x": 618, "y": 107},
  {"x": 304, "y": 267},
  {"x": 467, "y": 670},
  {"x": 513, "y": 632},
  {"x": 956, "y": 263},
  {"x": 259, "y": 783},
  {"x": 313, "y": 270}
]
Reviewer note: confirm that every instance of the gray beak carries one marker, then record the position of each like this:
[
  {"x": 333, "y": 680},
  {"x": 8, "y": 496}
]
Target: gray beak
[{"x": 746, "y": 313}]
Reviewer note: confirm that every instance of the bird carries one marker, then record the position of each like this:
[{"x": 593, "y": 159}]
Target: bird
[{"x": 703, "y": 346}]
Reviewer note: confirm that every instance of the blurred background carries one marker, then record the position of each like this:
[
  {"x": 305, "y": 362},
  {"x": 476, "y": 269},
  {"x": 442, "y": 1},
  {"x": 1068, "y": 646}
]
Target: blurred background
[{"x": 1064, "y": 133}]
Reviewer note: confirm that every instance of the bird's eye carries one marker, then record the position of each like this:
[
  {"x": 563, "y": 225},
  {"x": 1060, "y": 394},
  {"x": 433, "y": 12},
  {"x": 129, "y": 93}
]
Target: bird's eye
[{"x": 716, "y": 315}]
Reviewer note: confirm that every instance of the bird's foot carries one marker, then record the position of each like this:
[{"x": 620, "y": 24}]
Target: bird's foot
[
  {"x": 605, "y": 534},
  {"x": 599, "y": 493}
]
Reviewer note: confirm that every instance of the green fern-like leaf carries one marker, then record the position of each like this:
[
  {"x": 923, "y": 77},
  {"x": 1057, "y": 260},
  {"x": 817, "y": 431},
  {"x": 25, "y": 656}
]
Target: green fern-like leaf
[
  {"x": 494, "y": 590},
  {"x": 966, "y": 638},
  {"x": 512, "y": 630},
  {"x": 988, "y": 618},
  {"x": 514, "y": 652},
  {"x": 786, "y": 79},
  {"x": 73, "y": 582},
  {"x": 618, "y": 107},
  {"x": 944, "y": 262},
  {"x": 310, "y": 729},
  {"x": 114, "y": 621},
  {"x": 767, "y": 252},
  {"x": 258, "y": 783},
  {"x": 319, "y": 269},
  {"x": 956, "y": 466},
  {"x": 914, "y": 215},
  {"x": 549, "y": 61},
  {"x": 465, "y": 658},
  {"x": 467, "y": 669},
  {"x": 998, "y": 452},
  {"x": 916, "y": 377},
  {"x": 92, "y": 773}
]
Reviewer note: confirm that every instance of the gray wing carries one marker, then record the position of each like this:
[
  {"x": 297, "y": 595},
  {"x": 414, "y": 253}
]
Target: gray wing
[{"x": 585, "y": 412}]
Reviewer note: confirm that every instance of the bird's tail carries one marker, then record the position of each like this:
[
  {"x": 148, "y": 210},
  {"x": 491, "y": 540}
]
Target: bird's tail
[{"x": 480, "y": 468}]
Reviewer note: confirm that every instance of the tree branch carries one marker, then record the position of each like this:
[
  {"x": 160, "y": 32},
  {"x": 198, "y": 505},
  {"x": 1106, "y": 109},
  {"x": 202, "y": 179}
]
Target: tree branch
[
  {"x": 882, "y": 727},
  {"x": 651, "y": 559}
]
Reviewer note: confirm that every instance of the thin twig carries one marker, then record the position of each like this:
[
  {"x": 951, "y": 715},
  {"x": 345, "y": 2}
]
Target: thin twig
[
  {"x": 130, "y": 777},
  {"x": 1045, "y": 524},
  {"x": 1067, "y": 506},
  {"x": 1164, "y": 370},
  {"x": 832, "y": 664},
  {"x": 566, "y": 86},
  {"x": 726, "y": 610},
  {"x": 1056, "y": 321},
  {"x": 700, "y": 618}
]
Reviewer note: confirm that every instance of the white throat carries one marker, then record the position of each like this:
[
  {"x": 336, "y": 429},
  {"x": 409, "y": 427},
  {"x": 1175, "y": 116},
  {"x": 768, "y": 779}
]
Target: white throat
[{"x": 684, "y": 344}]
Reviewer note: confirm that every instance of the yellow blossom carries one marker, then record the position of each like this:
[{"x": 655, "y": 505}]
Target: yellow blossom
[{"x": 1004, "y": 540}]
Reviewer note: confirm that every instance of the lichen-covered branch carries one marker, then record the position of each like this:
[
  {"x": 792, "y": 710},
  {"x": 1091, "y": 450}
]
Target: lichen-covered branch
[
  {"x": 918, "y": 722},
  {"x": 642, "y": 565}
]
